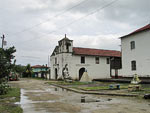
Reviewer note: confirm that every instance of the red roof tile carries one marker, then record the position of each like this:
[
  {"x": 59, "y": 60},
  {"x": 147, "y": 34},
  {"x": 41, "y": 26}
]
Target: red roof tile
[
  {"x": 38, "y": 66},
  {"x": 147, "y": 27},
  {"x": 96, "y": 52}
]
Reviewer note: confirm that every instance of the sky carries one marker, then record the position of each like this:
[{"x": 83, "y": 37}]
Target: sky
[{"x": 34, "y": 27}]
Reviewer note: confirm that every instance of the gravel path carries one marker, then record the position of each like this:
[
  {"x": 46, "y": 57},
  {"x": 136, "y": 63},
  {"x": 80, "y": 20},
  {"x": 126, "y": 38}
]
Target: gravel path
[{"x": 38, "y": 97}]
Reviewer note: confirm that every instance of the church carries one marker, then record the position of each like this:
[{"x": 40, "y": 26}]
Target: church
[{"x": 70, "y": 61}]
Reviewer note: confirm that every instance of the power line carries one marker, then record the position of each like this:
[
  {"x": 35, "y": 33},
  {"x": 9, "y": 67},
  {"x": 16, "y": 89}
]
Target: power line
[
  {"x": 61, "y": 13},
  {"x": 91, "y": 13},
  {"x": 33, "y": 57}
]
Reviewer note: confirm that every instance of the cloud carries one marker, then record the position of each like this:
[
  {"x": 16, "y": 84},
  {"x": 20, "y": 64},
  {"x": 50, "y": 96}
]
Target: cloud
[
  {"x": 98, "y": 41},
  {"x": 35, "y": 26}
]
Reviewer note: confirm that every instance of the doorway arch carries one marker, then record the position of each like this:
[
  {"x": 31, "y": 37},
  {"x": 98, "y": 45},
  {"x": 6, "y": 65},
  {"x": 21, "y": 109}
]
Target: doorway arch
[
  {"x": 56, "y": 74},
  {"x": 81, "y": 71}
]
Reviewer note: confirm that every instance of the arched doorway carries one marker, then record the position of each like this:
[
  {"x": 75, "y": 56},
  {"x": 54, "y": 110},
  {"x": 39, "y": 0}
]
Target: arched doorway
[
  {"x": 81, "y": 71},
  {"x": 56, "y": 74}
]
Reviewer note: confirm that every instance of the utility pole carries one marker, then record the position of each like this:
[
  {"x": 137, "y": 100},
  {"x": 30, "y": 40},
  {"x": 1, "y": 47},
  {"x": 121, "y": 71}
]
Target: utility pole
[
  {"x": 49, "y": 67},
  {"x": 48, "y": 60},
  {"x": 3, "y": 41}
]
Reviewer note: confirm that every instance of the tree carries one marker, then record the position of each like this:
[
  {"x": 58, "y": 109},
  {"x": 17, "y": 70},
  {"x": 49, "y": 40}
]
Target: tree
[
  {"x": 19, "y": 69},
  {"x": 28, "y": 70},
  {"x": 6, "y": 57}
]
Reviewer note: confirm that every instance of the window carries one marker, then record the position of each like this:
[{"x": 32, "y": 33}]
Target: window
[
  {"x": 107, "y": 61},
  {"x": 55, "y": 60},
  {"x": 132, "y": 44},
  {"x": 133, "y": 65},
  {"x": 67, "y": 47},
  {"x": 82, "y": 59},
  {"x": 96, "y": 60}
]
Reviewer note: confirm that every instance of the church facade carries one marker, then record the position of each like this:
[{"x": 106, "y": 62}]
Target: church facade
[{"x": 67, "y": 60}]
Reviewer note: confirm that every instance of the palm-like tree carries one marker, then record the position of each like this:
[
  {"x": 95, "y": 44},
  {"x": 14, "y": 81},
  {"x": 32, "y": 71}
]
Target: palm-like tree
[{"x": 28, "y": 70}]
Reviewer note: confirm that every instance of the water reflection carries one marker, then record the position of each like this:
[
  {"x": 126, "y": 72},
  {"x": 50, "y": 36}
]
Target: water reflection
[
  {"x": 68, "y": 97},
  {"x": 60, "y": 89},
  {"x": 56, "y": 89}
]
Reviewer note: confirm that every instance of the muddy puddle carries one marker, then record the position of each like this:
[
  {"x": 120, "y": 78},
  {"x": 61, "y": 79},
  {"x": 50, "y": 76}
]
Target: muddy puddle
[
  {"x": 38, "y": 97},
  {"x": 31, "y": 100}
]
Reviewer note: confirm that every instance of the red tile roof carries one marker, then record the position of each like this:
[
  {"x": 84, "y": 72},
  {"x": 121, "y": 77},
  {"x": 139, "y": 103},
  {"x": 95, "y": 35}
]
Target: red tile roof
[
  {"x": 96, "y": 52},
  {"x": 147, "y": 27},
  {"x": 38, "y": 66}
]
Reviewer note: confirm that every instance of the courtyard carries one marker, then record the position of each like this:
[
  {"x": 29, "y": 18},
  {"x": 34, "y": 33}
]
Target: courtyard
[{"x": 40, "y": 96}]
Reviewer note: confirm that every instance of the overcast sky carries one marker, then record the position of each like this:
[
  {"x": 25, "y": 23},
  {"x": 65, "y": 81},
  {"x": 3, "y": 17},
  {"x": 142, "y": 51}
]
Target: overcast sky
[{"x": 34, "y": 27}]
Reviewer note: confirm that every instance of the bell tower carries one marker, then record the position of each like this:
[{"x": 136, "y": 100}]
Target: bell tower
[{"x": 65, "y": 45}]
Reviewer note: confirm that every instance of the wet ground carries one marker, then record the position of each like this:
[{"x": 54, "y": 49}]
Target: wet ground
[{"x": 39, "y": 97}]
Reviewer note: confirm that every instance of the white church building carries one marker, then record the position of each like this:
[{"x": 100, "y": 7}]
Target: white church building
[
  {"x": 135, "y": 53},
  {"x": 77, "y": 60}
]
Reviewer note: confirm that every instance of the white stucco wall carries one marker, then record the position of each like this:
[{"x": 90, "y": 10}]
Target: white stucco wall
[
  {"x": 141, "y": 54},
  {"x": 62, "y": 59},
  {"x": 101, "y": 70}
]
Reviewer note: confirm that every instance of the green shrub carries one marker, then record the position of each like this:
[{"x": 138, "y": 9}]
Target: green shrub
[{"x": 4, "y": 88}]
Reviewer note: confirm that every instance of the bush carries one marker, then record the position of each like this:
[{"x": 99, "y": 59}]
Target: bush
[{"x": 4, "y": 87}]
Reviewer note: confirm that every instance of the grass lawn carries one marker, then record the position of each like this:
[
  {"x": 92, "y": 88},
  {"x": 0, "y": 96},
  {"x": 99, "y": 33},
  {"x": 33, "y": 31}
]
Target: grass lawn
[
  {"x": 7, "y": 101},
  {"x": 102, "y": 87},
  {"x": 88, "y": 85},
  {"x": 97, "y": 86}
]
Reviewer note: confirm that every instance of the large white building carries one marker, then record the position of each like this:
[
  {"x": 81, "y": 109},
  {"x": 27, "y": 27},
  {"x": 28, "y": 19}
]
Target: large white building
[
  {"x": 76, "y": 61},
  {"x": 135, "y": 53}
]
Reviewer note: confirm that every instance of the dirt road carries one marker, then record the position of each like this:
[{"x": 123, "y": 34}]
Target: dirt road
[{"x": 39, "y": 97}]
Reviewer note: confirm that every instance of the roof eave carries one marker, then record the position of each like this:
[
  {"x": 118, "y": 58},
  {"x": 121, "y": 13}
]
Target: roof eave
[
  {"x": 98, "y": 55},
  {"x": 135, "y": 32}
]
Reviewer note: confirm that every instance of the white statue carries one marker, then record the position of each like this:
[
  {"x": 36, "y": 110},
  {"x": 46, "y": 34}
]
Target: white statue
[
  {"x": 135, "y": 79},
  {"x": 65, "y": 72}
]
